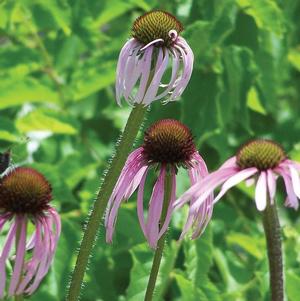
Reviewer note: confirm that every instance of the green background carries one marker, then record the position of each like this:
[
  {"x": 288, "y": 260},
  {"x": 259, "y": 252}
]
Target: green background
[{"x": 57, "y": 73}]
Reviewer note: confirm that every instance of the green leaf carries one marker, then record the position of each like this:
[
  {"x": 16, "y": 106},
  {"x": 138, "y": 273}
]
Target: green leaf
[
  {"x": 292, "y": 285},
  {"x": 41, "y": 120},
  {"x": 142, "y": 257},
  {"x": 253, "y": 245},
  {"x": 15, "y": 93},
  {"x": 92, "y": 77},
  {"x": 198, "y": 257},
  {"x": 266, "y": 14},
  {"x": 254, "y": 103},
  {"x": 294, "y": 58}
]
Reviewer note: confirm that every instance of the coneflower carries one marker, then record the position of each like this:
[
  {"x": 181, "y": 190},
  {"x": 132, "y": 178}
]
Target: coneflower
[
  {"x": 168, "y": 145},
  {"x": 24, "y": 199},
  {"x": 144, "y": 59}
]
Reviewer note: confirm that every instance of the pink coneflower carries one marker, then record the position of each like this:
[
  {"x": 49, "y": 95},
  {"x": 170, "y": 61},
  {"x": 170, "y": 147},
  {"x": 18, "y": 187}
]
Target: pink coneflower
[
  {"x": 168, "y": 145},
  {"x": 24, "y": 199},
  {"x": 144, "y": 59},
  {"x": 259, "y": 161}
]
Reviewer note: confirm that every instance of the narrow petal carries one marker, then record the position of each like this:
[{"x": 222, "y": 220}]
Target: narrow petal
[
  {"x": 204, "y": 188},
  {"x": 21, "y": 223},
  {"x": 295, "y": 180},
  {"x": 4, "y": 256},
  {"x": 236, "y": 179},
  {"x": 291, "y": 200},
  {"x": 170, "y": 207},
  {"x": 140, "y": 202},
  {"x": 271, "y": 185},
  {"x": 155, "y": 209},
  {"x": 261, "y": 192}
]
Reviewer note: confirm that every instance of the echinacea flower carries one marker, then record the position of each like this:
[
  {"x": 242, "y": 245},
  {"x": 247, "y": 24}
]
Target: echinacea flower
[
  {"x": 145, "y": 58},
  {"x": 258, "y": 161},
  {"x": 168, "y": 145},
  {"x": 24, "y": 205}
]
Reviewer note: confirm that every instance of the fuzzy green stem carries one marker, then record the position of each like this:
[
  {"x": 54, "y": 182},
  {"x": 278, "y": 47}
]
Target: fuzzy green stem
[
  {"x": 19, "y": 298},
  {"x": 161, "y": 243},
  {"x": 273, "y": 238},
  {"x": 122, "y": 150}
]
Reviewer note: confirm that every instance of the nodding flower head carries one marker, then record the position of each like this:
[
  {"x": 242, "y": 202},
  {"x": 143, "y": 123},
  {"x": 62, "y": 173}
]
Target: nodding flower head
[
  {"x": 259, "y": 161},
  {"x": 156, "y": 25},
  {"x": 24, "y": 199},
  {"x": 169, "y": 141},
  {"x": 262, "y": 154},
  {"x": 24, "y": 191},
  {"x": 156, "y": 45},
  {"x": 168, "y": 144}
]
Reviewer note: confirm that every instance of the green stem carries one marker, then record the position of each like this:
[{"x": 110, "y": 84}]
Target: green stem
[
  {"x": 19, "y": 298},
  {"x": 122, "y": 150},
  {"x": 273, "y": 238},
  {"x": 161, "y": 243}
]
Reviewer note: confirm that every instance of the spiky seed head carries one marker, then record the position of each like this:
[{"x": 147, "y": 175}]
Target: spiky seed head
[
  {"x": 260, "y": 153},
  {"x": 168, "y": 141},
  {"x": 156, "y": 25},
  {"x": 24, "y": 191}
]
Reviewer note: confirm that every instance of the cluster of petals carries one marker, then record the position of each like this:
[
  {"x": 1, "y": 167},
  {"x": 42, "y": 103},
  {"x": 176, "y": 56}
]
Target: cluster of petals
[
  {"x": 230, "y": 174},
  {"x": 32, "y": 256},
  {"x": 133, "y": 176},
  {"x": 140, "y": 82}
]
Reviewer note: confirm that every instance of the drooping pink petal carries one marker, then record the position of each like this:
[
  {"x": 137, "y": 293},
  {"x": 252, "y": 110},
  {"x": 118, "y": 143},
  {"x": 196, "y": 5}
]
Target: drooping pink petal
[
  {"x": 261, "y": 192},
  {"x": 236, "y": 179},
  {"x": 170, "y": 206},
  {"x": 124, "y": 186},
  {"x": 231, "y": 162},
  {"x": 155, "y": 209},
  {"x": 145, "y": 65},
  {"x": 21, "y": 224},
  {"x": 155, "y": 83},
  {"x": 4, "y": 256},
  {"x": 291, "y": 200},
  {"x": 32, "y": 265},
  {"x": 295, "y": 180},
  {"x": 204, "y": 188},
  {"x": 271, "y": 180},
  {"x": 140, "y": 202}
]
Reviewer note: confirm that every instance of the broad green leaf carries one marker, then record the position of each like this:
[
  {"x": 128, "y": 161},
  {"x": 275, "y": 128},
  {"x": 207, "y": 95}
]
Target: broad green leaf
[
  {"x": 292, "y": 285},
  {"x": 142, "y": 257},
  {"x": 253, "y": 245},
  {"x": 41, "y": 120},
  {"x": 15, "y": 93},
  {"x": 266, "y": 14},
  {"x": 198, "y": 257},
  {"x": 254, "y": 103},
  {"x": 294, "y": 58}
]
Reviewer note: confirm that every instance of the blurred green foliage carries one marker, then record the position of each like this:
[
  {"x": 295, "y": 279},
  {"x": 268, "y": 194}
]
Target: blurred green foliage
[{"x": 58, "y": 114}]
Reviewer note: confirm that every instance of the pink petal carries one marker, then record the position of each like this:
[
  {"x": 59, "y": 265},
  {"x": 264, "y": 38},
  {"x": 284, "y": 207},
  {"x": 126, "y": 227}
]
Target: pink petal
[
  {"x": 271, "y": 185},
  {"x": 261, "y": 192},
  {"x": 4, "y": 256},
  {"x": 170, "y": 207},
  {"x": 236, "y": 179},
  {"x": 295, "y": 180},
  {"x": 140, "y": 204},
  {"x": 21, "y": 223},
  {"x": 155, "y": 209}
]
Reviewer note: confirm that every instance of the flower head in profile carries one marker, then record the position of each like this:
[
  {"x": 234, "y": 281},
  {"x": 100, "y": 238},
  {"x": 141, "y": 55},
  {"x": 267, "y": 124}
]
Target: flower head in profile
[
  {"x": 24, "y": 205},
  {"x": 145, "y": 58},
  {"x": 258, "y": 161},
  {"x": 168, "y": 145}
]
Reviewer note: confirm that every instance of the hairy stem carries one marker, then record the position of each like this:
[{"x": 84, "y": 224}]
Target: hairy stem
[
  {"x": 161, "y": 243},
  {"x": 273, "y": 239},
  {"x": 122, "y": 150}
]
